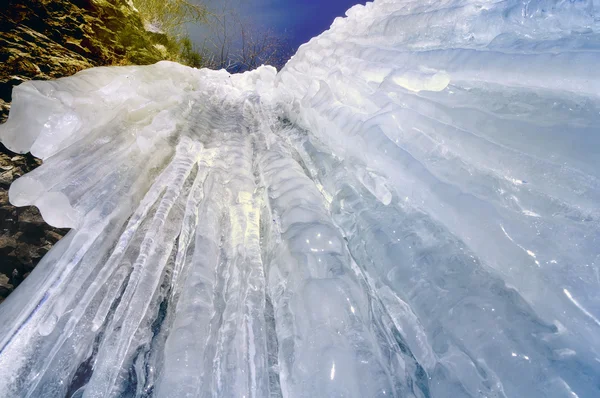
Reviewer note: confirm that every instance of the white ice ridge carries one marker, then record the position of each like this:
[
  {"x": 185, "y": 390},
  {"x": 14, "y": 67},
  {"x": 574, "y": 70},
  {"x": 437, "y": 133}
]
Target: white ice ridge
[{"x": 410, "y": 208}]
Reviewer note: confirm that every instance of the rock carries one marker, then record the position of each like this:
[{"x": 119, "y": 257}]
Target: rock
[
  {"x": 5, "y": 287},
  {"x": 7, "y": 244}
]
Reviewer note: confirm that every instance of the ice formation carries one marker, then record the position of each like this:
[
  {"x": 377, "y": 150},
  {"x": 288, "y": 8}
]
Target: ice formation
[{"x": 409, "y": 208}]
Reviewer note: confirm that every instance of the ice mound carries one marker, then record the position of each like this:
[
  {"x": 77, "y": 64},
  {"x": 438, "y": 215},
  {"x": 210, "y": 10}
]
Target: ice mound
[{"x": 409, "y": 208}]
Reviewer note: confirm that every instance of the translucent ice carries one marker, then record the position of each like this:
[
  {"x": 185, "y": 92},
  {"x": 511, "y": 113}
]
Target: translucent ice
[{"x": 409, "y": 208}]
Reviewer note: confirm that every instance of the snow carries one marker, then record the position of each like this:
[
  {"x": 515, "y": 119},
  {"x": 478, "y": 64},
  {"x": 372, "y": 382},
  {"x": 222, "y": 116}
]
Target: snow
[{"x": 409, "y": 208}]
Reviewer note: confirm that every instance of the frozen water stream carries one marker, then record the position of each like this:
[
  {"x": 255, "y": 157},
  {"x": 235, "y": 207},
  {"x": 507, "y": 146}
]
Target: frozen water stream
[{"x": 410, "y": 208}]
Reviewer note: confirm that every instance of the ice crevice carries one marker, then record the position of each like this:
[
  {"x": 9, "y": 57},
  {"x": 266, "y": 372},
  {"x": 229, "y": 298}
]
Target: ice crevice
[{"x": 409, "y": 208}]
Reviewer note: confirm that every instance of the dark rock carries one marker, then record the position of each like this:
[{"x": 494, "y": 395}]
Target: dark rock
[{"x": 5, "y": 287}]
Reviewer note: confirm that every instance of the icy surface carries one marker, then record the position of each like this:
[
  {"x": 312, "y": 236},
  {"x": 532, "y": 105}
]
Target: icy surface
[{"x": 409, "y": 208}]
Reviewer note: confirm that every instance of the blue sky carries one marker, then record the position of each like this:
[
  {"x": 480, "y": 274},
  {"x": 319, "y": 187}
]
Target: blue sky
[{"x": 298, "y": 20}]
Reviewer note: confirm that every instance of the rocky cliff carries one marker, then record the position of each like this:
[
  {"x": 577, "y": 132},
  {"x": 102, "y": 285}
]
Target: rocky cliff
[{"x": 47, "y": 39}]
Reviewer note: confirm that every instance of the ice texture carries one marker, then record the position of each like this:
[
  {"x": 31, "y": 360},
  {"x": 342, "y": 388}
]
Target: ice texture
[{"x": 410, "y": 208}]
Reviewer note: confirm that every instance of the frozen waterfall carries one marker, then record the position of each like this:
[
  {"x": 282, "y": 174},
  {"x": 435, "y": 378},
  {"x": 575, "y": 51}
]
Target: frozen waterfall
[{"x": 410, "y": 208}]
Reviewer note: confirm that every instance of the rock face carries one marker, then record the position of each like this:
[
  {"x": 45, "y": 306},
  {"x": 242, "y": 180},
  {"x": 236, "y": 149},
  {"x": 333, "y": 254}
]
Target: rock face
[
  {"x": 48, "y": 39},
  {"x": 24, "y": 236}
]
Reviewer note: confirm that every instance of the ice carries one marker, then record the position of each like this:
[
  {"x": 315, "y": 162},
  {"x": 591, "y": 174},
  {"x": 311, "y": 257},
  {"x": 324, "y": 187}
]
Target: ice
[{"x": 410, "y": 208}]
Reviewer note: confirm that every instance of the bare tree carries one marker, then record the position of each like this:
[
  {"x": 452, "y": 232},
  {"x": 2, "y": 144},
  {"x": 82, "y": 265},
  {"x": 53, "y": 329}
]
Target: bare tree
[
  {"x": 237, "y": 44},
  {"x": 261, "y": 47},
  {"x": 217, "y": 46}
]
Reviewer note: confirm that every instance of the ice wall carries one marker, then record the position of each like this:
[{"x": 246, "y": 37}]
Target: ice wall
[{"x": 409, "y": 208}]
